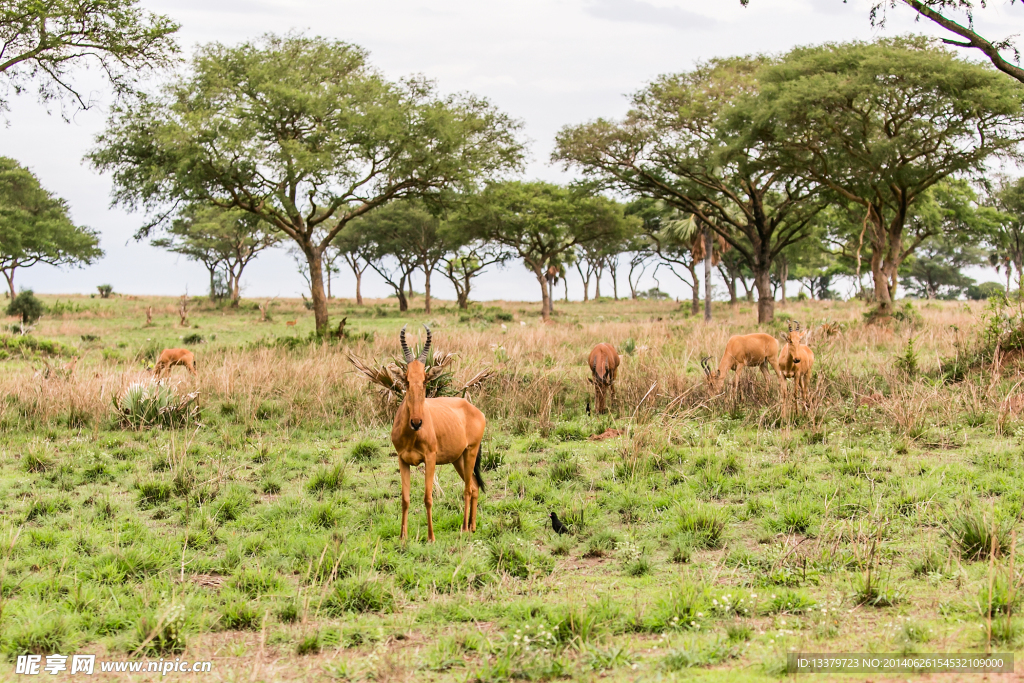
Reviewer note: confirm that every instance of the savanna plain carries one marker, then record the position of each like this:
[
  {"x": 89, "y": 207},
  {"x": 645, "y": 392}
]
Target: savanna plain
[{"x": 255, "y": 523}]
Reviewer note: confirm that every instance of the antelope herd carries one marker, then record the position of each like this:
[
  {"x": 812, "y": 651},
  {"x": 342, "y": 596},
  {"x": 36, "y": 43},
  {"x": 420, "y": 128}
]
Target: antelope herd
[{"x": 443, "y": 430}]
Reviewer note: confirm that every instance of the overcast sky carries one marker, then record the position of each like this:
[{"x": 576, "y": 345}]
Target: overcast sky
[{"x": 546, "y": 62}]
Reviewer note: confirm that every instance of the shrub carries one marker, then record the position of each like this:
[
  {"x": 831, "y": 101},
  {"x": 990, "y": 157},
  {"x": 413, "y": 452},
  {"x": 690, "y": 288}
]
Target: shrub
[
  {"x": 27, "y": 307},
  {"x": 193, "y": 339},
  {"x": 153, "y": 404},
  {"x": 105, "y": 291}
]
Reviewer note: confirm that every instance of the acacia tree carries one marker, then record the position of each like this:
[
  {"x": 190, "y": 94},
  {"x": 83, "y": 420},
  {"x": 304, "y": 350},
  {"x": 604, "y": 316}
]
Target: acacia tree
[
  {"x": 356, "y": 247},
  {"x": 473, "y": 253},
  {"x": 1007, "y": 236},
  {"x": 301, "y": 132},
  {"x": 683, "y": 144},
  {"x": 406, "y": 237},
  {"x": 44, "y": 41},
  {"x": 222, "y": 240},
  {"x": 941, "y": 12},
  {"x": 35, "y": 226},
  {"x": 541, "y": 223},
  {"x": 880, "y": 123}
]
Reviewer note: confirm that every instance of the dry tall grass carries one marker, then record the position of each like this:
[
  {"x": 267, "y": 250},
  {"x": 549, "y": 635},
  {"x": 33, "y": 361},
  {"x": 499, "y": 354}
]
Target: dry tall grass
[{"x": 541, "y": 371}]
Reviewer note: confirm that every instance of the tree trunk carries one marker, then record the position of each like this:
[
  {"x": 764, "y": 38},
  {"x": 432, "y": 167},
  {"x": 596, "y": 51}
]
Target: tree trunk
[
  {"x": 586, "y": 282},
  {"x": 213, "y": 282},
  {"x": 613, "y": 267},
  {"x": 707, "y": 273},
  {"x": 882, "y": 297},
  {"x": 783, "y": 276},
  {"x": 236, "y": 290},
  {"x": 598, "y": 272},
  {"x": 463, "y": 293},
  {"x": 426, "y": 287},
  {"x": 765, "y": 300},
  {"x": 9, "y": 274},
  {"x": 545, "y": 305},
  {"x": 316, "y": 289},
  {"x": 403, "y": 300},
  {"x": 695, "y": 305},
  {"x": 359, "y": 286}
]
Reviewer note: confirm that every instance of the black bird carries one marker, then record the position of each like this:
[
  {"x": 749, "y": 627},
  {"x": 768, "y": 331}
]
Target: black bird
[{"x": 557, "y": 525}]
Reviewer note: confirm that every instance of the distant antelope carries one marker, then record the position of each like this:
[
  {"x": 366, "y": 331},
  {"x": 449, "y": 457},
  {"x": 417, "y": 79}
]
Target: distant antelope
[
  {"x": 436, "y": 431},
  {"x": 796, "y": 361},
  {"x": 740, "y": 351},
  {"x": 291, "y": 323},
  {"x": 171, "y": 357},
  {"x": 604, "y": 366}
]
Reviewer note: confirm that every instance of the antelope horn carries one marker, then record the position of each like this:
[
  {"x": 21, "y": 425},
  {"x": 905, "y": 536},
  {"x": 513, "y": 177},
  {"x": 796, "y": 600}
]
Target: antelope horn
[
  {"x": 704, "y": 364},
  {"x": 790, "y": 325},
  {"x": 426, "y": 347},
  {"x": 405, "y": 347},
  {"x": 797, "y": 325}
]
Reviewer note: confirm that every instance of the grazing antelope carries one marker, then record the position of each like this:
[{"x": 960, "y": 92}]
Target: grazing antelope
[
  {"x": 796, "y": 361},
  {"x": 740, "y": 351},
  {"x": 291, "y": 323},
  {"x": 436, "y": 431},
  {"x": 604, "y": 365},
  {"x": 171, "y": 357}
]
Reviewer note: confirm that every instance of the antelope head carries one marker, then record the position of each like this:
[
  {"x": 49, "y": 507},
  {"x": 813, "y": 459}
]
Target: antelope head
[
  {"x": 795, "y": 335},
  {"x": 712, "y": 377},
  {"x": 415, "y": 377}
]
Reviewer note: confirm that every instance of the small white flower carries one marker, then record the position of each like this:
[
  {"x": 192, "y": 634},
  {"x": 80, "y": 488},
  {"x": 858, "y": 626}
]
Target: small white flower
[
  {"x": 504, "y": 326},
  {"x": 523, "y": 323}
]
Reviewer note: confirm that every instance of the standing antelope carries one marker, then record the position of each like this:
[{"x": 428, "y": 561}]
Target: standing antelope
[
  {"x": 436, "y": 431},
  {"x": 796, "y": 361},
  {"x": 604, "y": 365},
  {"x": 171, "y": 357},
  {"x": 742, "y": 350}
]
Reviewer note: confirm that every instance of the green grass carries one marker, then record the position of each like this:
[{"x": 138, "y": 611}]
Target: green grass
[{"x": 711, "y": 537}]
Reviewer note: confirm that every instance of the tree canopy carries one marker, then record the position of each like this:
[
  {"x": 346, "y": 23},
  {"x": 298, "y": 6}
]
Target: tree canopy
[
  {"x": 35, "y": 226},
  {"x": 44, "y": 41},
  {"x": 683, "y": 142},
  {"x": 223, "y": 240},
  {"x": 878, "y": 124},
  {"x": 541, "y": 223},
  {"x": 303, "y": 133}
]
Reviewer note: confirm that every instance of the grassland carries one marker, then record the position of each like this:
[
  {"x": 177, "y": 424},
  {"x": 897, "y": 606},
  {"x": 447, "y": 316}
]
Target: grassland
[{"x": 709, "y": 540}]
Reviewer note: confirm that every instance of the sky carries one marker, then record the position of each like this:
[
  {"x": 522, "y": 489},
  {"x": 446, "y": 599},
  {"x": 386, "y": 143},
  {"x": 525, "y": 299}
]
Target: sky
[{"x": 549, "y": 63}]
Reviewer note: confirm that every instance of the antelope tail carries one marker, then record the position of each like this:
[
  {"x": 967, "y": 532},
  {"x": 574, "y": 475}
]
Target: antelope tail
[{"x": 476, "y": 468}]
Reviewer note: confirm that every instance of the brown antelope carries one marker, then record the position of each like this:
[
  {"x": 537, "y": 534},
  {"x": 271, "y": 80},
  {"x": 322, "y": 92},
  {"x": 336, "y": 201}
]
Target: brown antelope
[
  {"x": 171, "y": 357},
  {"x": 742, "y": 350},
  {"x": 291, "y": 323},
  {"x": 796, "y": 361},
  {"x": 436, "y": 431},
  {"x": 604, "y": 365}
]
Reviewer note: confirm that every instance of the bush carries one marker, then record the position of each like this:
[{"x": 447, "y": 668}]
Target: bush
[
  {"x": 152, "y": 404},
  {"x": 193, "y": 339},
  {"x": 27, "y": 307},
  {"x": 105, "y": 291},
  {"x": 984, "y": 291}
]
